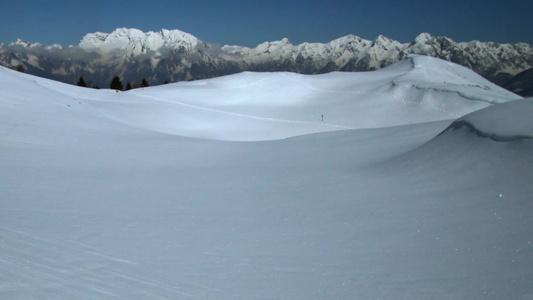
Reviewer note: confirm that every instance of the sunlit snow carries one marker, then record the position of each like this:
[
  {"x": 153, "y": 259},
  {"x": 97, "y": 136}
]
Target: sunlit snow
[{"x": 268, "y": 186}]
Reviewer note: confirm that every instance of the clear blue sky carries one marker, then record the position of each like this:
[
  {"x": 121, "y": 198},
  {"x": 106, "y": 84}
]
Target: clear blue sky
[{"x": 248, "y": 22}]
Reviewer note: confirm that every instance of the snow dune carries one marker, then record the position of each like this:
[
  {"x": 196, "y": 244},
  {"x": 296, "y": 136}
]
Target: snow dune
[
  {"x": 267, "y": 106},
  {"x": 259, "y": 106},
  {"x": 415, "y": 185}
]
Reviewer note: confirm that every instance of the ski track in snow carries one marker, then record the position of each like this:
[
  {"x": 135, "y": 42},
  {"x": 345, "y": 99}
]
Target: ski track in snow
[
  {"x": 60, "y": 262},
  {"x": 244, "y": 115},
  {"x": 295, "y": 78}
]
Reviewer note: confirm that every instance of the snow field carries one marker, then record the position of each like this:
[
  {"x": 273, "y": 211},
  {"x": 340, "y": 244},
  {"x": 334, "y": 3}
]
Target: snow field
[{"x": 234, "y": 188}]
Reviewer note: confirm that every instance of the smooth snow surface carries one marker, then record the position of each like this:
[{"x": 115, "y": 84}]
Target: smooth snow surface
[{"x": 234, "y": 188}]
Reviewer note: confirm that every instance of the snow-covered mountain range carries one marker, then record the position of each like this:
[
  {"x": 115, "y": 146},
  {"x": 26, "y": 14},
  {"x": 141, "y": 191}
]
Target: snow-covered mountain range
[{"x": 173, "y": 55}]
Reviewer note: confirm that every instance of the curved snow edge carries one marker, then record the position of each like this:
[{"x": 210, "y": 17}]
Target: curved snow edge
[{"x": 495, "y": 137}]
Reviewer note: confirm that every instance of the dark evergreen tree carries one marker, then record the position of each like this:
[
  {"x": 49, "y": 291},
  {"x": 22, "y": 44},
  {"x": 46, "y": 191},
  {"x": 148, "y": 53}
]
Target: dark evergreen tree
[
  {"x": 116, "y": 84},
  {"x": 144, "y": 83},
  {"x": 82, "y": 82},
  {"x": 21, "y": 68},
  {"x": 128, "y": 86}
]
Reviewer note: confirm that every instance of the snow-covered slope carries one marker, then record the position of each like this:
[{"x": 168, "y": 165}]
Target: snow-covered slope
[
  {"x": 136, "y": 195},
  {"x": 258, "y": 106},
  {"x": 264, "y": 106},
  {"x": 522, "y": 83},
  {"x": 503, "y": 123}
]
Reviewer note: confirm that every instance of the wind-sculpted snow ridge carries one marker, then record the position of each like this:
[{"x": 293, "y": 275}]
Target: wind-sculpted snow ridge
[
  {"x": 506, "y": 122},
  {"x": 490, "y": 135},
  {"x": 498, "y": 138},
  {"x": 440, "y": 75}
]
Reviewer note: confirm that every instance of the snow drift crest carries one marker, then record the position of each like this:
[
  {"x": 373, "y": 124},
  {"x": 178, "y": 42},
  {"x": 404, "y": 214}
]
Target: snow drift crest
[
  {"x": 497, "y": 135},
  {"x": 506, "y": 122}
]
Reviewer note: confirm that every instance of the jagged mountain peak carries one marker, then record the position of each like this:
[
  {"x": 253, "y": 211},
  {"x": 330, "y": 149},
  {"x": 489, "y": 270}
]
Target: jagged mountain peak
[
  {"x": 423, "y": 38},
  {"x": 136, "y": 42},
  {"x": 382, "y": 39},
  {"x": 26, "y": 44},
  {"x": 350, "y": 38},
  {"x": 34, "y": 46},
  {"x": 282, "y": 42},
  {"x": 384, "y": 43}
]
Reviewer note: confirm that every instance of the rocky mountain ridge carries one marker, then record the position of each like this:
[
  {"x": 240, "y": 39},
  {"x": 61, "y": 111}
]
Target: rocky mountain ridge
[
  {"x": 134, "y": 42},
  {"x": 173, "y": 55}
]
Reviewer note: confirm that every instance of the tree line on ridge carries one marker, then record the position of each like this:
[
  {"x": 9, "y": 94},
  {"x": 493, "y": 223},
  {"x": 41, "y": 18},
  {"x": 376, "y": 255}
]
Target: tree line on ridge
[{"x": 116, "y": 84}]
